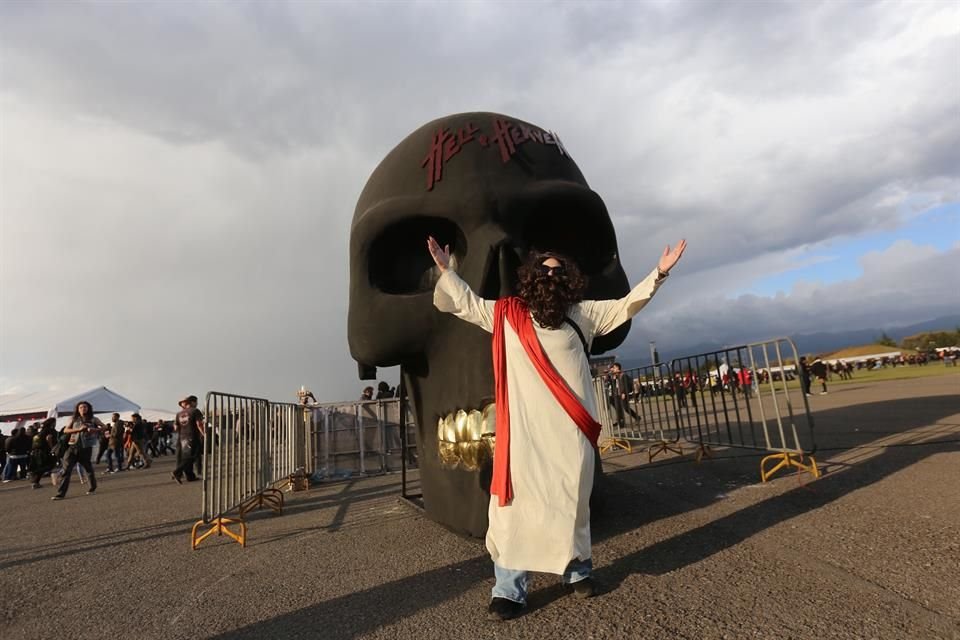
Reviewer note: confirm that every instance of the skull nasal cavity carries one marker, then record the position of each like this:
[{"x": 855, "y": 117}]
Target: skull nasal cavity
[{"x": 399, "y": 262}]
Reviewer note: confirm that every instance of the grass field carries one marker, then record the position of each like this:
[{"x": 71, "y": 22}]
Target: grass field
[{"x": 898, "y": 373}]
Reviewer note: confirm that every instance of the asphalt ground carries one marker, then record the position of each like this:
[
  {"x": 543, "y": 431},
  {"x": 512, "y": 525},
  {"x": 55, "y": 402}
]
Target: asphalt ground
[{"x": 682, "y": 550}]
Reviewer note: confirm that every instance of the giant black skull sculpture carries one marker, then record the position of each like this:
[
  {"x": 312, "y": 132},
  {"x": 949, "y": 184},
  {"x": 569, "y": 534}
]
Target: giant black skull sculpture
[{"x": 493, "y": 188}]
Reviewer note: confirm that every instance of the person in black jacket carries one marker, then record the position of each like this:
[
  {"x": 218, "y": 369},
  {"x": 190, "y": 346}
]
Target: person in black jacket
[
  {"x": 17, "y": 447},
  {"x": 139, "y": 437},
  {"x": 42, "y": 460},
  {"x": 805, "y": 375},
  {"x": 819, "y": 369},
  {"x": 621, "y": 387}
]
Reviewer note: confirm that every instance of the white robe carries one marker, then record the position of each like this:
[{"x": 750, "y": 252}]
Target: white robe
[{"x": 551, "y": 462}]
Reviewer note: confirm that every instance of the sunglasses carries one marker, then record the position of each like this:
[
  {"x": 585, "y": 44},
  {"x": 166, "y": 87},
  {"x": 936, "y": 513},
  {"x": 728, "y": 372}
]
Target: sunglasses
[{"x": 546, "y": 270}]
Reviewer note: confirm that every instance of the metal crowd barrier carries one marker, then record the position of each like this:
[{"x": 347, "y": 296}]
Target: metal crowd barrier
[
  {"x": 358, "y": 438},
  {"x": 250, "y": 447},
  {"x": 646, "y": 415},
  {"x": 747, "y": 397}
]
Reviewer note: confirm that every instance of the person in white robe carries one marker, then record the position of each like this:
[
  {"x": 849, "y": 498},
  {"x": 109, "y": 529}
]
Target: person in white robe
[{"x": 546, "y": 525}]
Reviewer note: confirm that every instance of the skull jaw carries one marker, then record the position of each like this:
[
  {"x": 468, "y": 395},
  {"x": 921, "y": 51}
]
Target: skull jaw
[{"x": 453, "y": 496}]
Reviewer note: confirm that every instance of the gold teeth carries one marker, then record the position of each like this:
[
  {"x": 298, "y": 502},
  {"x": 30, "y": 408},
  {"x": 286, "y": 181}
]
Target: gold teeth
[{"x": 467, "y": 438}]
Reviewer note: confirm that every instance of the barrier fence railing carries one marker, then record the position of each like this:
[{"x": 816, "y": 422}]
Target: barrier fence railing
[
  {"x": 748, "y": 397},
  {"x": 250, "y": 446},
  {"x": 253, "y": 446},
  {"x": 638, "y": 408},
  {"x": 362, "y": 437}
]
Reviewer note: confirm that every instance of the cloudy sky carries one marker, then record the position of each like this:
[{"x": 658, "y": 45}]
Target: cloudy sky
[{"x": 177, "y": 179}]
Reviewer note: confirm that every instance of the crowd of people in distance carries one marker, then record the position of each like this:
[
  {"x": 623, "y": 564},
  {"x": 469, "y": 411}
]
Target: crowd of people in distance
[
  {"x": 384, "y": 392},
  {"x": 624, "y": 392},
  {"x": 39, "y": 450}
]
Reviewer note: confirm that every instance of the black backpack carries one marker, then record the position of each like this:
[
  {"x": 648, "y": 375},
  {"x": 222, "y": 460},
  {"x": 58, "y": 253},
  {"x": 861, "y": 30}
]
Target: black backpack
[{"x": 63, "y": 443}]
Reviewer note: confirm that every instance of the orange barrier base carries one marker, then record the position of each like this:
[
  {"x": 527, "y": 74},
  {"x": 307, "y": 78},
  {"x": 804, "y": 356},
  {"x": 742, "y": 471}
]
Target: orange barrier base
[
  {"x": 787, "y": 460},
  {"x": 615, "y": 443},
  {"x": 663, "y": 447},
  {"x": 269, "y": 498},
  {"x": 219, "y": 526},
  {"x": 703, "y": 451}
]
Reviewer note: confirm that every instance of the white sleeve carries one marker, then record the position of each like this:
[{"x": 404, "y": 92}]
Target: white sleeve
[
  {"x": 453, "y": 295},
  {"x": 603, "y": 316}
]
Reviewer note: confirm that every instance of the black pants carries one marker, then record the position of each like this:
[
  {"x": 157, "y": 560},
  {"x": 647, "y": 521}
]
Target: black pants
[
  {"x": 623, "y": 404},
  {"x": 103, "y": 449},
  {"x": 73, "y": 457},
  {"x": 186, "y": 456}
]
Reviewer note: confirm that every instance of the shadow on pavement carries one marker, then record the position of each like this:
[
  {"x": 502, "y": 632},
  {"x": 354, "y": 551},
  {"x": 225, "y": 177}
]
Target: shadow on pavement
[{"x": 384, "y": 604}]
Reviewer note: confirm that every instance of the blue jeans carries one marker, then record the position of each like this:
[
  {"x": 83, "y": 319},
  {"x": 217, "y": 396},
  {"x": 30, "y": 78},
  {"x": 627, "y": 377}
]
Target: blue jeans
[
  {"x": 15, "y": 465},
  {"x": 512, "y": 584},
  {"x": 118, "y": 452}
]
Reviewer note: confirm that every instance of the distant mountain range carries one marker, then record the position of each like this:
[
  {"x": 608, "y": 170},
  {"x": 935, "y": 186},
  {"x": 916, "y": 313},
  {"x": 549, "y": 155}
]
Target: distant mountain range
[{"x": 810, "y": 343}]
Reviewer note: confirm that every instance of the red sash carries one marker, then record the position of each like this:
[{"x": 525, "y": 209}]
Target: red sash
[{"x": 514, "y": 310}]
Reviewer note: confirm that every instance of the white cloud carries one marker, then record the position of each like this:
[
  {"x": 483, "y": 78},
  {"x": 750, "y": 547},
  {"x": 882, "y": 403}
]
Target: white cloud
[
  {"x": 188, "y": 171},
  {"x": 903, "y": 284}
]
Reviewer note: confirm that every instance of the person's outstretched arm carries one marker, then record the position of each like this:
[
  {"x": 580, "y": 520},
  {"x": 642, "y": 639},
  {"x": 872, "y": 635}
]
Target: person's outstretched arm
[
  {"x": 453, "y": 295},
  {"x": 607, "y": 315}
]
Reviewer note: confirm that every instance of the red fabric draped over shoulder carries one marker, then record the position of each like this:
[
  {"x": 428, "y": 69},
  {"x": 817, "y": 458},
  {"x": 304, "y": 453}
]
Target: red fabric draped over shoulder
[{"x": 514, "y": 311}]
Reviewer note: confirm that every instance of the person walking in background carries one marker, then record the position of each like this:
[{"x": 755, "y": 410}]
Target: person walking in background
[
  {"x": 745, "y": 379},
  {"x": 83, "y": 431},
  {"x": 103, "y": 444},
  {"x": 805, "y": 375},
  {"x": 17, "y": 447},
  {"x": 153, "y": 439},
  {"x": 139, "y": 439},
  {"x": 818, "y": 369},
  {"x": 621, "y": 387},
  {"x": 115, "y": 443},
  {"x": 189, "y": 426},
  {"x": 679, "y": 390},
  {"x": 42, "y": 460},
  {"x": 164, "y": 430}
]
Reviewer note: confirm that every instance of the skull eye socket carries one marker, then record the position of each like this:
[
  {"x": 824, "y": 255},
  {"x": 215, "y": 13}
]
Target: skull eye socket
[
  {"x": 573, "y": 226},
  {"x": 399, "y": 262}
]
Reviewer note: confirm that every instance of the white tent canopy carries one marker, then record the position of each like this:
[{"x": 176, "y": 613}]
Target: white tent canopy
[{"x": 55, "y": 403}]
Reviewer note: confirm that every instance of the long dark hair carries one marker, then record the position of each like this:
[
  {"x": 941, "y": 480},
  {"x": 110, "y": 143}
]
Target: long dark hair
[
  {"x": 550, "y": 295},
  {"x": 76, "y": 411}
]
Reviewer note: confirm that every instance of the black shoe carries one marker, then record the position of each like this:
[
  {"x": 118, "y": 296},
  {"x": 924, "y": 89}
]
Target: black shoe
[
  {"x": 584, "y": 588},
  {"x": 503, "y": 609},
  {"x": 177, "y": 478},
  {"x": 193, "y": 479},
  {"x": 91, "y": 492}
]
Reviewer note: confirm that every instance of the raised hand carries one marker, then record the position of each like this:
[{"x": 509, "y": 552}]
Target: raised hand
[
  {"x": 670, "y": 257},
  {"x": 440, "y": 256}
]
